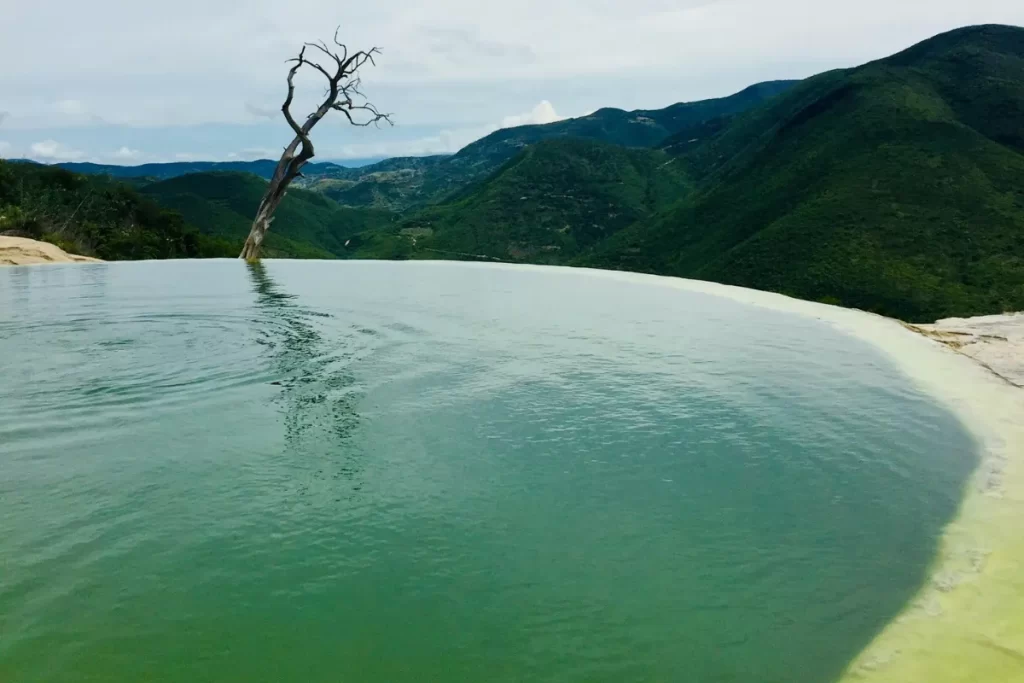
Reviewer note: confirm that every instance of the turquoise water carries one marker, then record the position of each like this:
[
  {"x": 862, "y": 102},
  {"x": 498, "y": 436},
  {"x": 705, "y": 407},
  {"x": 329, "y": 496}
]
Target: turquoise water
[{"x": 317, "y": 471}]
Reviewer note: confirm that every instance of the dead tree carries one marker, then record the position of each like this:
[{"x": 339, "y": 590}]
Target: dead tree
[{"x": 342, "y": 86}]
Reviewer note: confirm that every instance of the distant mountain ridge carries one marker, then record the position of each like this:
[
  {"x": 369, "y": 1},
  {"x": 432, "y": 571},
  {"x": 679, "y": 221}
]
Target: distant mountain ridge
[
  {"x": 404, "y": 182},
  {"x": 263, "y": 168},
  {"x": 637, "y": 128}
]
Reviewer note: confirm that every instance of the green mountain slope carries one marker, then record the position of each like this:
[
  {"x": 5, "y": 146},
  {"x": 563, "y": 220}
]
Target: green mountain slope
[
  {"x": 640, "y": 128},
  {"x": 307, "y": 224},
  {"x": 392, "y": 184},
  {"x": 400, "y": 184},
  {"x": 94, "y": 216},
  {"x": 896, "y": 187},
  {"x": 550, "y": 203}
]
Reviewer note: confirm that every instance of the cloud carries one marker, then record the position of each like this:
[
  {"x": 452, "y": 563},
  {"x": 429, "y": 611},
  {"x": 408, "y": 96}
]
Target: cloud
[
  {"x": 51, "y": 150},
  {"x": 262, "y": 112},
  {"x": 260, "y": 153},
  {"x": 465, "y": 44},
  {"x": 4, "y": 146},
  {"x": 449, "y": 140},
  {"x": 447, "y": 66},
  {"x": 642, "y": 53},
  {"x": 253, "y": 153},
  {"x": 71, "y": 107},
  {"x": 3, "y": 116},
  {"x": 444, "y": 142},
  {"x": 544, "y": 112},
  {"x": 126, "y": 154}
]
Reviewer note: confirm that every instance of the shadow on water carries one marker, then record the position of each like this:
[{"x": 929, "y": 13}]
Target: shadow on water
[{"x": 319, "y": 393}]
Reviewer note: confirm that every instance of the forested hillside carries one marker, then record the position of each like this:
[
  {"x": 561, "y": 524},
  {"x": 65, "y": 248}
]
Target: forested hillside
[
  {"x": 222, "y": 204},
  {"x": 95, "y": 216}
]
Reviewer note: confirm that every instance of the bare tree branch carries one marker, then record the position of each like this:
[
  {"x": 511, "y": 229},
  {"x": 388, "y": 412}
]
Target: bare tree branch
[
  {"x": 341, "y": 85},
  {"x": 286, "y": 107}
]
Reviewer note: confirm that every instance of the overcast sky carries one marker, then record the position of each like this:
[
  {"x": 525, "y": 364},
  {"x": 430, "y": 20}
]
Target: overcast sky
[{"x": 128, "y": 81}]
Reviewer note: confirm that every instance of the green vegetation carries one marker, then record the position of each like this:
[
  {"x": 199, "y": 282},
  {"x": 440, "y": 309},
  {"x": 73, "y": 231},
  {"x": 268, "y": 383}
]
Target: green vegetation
[
  {"x": 403, "y": 184},
  {"x": 392, "y": 184},
  {"x": 222, "y": 204},
  {"x": 641, "y": 128},
  {"x": 94, "y": 216},
  {"x": 192, "y": 216},
  {"x": 553, "y": 201}
]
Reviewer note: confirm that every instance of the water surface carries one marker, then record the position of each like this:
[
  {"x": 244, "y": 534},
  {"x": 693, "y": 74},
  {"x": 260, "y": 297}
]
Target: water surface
[{"x": 315, "y": 471}]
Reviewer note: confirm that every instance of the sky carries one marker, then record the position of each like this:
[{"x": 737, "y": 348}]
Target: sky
[{"x": 129, "y": 82}]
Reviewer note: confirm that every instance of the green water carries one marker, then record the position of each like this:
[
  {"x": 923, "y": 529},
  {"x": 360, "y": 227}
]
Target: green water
[{"x": 442, "y": 472}]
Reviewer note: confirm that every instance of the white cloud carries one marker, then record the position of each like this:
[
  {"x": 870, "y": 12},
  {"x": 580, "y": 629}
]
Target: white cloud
[
  {"x": 446, "y": 141},
  {"x": 51, "y": 150},
  {"x": 260, "y": 153},
  {"x": 126, "y": 154},
  {"x": 544, "y": 112},
  {"x": 249, "y": 154},
  {"x": 71, "y": 107},
  {"x": 185, "y": 156},
  {"x": 262, "y": 112},
  {"x": 4, "y": 146},
  {"x": 3, "y": 116}
]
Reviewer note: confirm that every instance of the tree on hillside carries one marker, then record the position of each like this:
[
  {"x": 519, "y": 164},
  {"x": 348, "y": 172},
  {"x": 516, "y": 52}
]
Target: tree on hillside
[{"x": 342, "y": 87}]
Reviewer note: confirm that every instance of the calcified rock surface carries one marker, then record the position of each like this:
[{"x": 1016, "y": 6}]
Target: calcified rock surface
[
  {"x": 995, "y": 341},
  {"x": 21, "y": 251}
]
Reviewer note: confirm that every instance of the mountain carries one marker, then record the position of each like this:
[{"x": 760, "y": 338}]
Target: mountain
[
  {"x": 552, "y": 202},
  {"x": 640, "y": 128},
  {"x": 401, "y": 184},
  {"x": 222, "y": 204},
  {"x": 94, "y": 216},
  {"x": 895, "y": 187},
  {"x": 393, "y": 184},
  {"x": 263, "y": 168}
]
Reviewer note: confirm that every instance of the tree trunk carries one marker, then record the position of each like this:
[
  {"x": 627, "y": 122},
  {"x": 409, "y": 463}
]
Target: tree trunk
[
  {"x": 264, "y": 217},
  {"x": 251, "y": 248},
  {"x": 288, "y": 168}
]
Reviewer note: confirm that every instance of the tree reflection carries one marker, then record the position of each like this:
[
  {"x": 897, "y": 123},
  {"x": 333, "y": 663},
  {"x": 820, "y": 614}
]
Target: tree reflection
[{"x": 319, "y": 393}]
